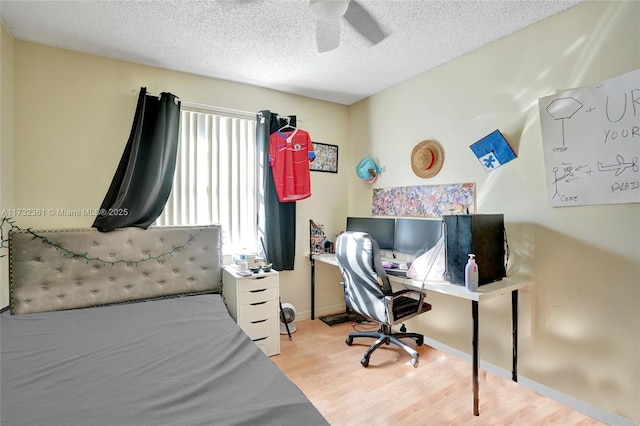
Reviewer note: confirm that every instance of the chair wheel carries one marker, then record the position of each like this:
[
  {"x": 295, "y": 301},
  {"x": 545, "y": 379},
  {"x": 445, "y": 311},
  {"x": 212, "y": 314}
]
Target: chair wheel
[
  {"x": 403, "y": 328},
  {"x": 414, "y": 362},
  {"x": 420, "y": 341},
  {"x": 364, "y": 362},
  {"x": 349, "y": 341}
]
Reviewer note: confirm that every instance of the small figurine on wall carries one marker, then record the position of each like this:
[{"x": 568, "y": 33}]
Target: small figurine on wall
[{"x": 368, "y": 170}]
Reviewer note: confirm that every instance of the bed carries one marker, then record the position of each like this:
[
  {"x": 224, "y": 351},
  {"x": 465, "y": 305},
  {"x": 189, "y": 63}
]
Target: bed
[{"x": 129, "y": 328}]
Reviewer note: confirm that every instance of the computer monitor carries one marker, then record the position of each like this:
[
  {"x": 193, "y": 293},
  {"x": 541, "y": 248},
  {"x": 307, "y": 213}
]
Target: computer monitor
[
  {"x": 416, "y": 236},
  {"x": 381, "y": 229}
]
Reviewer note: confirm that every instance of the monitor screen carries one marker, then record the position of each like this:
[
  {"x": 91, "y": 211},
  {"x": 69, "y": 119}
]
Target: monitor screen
[
  {"x": 416, "y": 236},
  {"x": 381, "y": 229}
]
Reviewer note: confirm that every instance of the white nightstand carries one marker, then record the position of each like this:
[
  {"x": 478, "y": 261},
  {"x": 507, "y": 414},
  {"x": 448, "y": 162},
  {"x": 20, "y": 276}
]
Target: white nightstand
[{"x": 253, "y": 303}]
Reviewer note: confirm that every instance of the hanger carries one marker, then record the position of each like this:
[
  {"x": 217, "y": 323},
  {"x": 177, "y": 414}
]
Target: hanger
[{"x": 288, "y": 125}]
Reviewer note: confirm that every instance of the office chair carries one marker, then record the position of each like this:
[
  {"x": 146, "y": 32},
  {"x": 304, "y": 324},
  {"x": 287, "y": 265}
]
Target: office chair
[{"x": 368, "y": 292}]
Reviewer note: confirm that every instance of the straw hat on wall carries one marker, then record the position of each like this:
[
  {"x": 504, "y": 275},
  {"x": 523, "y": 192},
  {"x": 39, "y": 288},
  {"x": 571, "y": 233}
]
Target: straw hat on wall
[{"x": 426, "y": 159}]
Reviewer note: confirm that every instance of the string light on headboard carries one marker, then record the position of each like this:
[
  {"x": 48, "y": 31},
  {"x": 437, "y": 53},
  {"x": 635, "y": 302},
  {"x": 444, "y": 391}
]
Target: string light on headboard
[
  {"x": 8, "y": 225},
  {"x": 4, "y": 233}
]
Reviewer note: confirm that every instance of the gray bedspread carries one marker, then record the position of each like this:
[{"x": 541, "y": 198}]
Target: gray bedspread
[{"x": 179, "y": 361}]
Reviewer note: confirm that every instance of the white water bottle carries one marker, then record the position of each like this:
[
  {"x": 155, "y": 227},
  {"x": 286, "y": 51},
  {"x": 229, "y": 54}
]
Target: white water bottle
[{"x": 471, "y": 273}]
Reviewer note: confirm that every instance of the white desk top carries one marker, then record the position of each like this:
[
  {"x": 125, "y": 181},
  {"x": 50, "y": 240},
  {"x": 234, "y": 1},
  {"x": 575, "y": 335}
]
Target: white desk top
[
  {"x": 326, "y": 258},
  {"x": 484, "y": 292}
]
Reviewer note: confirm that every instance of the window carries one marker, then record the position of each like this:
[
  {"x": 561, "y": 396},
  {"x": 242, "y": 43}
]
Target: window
[{"x": 215, "y": 178}]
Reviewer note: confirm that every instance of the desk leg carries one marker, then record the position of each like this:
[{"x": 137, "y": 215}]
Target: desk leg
[
  {"x": 313, "y": 287},
  {"x": 476, "y": 398},
  {"x": 514, "y": 334}
]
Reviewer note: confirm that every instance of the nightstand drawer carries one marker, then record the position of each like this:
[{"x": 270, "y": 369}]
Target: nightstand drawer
[
  {"x": 257, "y": 296},
  {"x": 257, "y": 311},
  {"x": 261, "y": 328},
  {"x": 269, "y": 345},
  {"x": 257, "y": 282},
  {"x": 252, "y": 302}
]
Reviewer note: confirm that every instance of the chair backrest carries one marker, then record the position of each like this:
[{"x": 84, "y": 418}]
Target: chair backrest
[{"x": 366, "y": 283}]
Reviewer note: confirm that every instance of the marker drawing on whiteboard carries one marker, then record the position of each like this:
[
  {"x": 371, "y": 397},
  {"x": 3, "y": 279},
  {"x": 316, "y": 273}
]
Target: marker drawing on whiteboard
[
  {"x": 620, "y": 167},
  {"x": 563, "y": 109},
  {"x": 591, "y": 142},
  {"x": 567, "y": 175}
]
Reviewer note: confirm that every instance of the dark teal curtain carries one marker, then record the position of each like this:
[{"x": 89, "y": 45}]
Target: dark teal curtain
[
  {"x": 142, "y": 182},
  {"x": 276, "y": 220}
]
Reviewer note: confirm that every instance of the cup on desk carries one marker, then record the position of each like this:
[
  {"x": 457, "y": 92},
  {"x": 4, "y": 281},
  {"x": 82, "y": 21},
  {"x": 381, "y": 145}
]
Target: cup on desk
[{"x": 243, "y": 265}]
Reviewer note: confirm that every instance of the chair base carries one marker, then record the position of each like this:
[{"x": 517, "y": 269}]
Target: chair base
[{"x": 386, "y": 336}]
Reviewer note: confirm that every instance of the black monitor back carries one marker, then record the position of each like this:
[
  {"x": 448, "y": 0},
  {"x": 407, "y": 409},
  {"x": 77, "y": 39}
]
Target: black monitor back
[
  {"x": 480, "y": 234},
  {"x": 416, "y": 236},
  {"x": 380, "y": 229}
]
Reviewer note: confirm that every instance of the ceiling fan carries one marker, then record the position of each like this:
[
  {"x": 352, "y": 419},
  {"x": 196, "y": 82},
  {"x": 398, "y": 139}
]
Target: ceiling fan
[{"x": 329, "y": 13}]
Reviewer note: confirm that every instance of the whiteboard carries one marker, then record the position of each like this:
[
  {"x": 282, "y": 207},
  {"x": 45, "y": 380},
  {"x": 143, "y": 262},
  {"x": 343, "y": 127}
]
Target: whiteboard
[{"x": 591, "y": 141}]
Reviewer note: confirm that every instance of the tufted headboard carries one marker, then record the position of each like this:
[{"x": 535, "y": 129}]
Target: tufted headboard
[{"x": 68, "y": 269}]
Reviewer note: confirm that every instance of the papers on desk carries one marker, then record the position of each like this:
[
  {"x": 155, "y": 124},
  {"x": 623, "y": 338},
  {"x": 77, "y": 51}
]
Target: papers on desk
[
  {"x": 394, "y": 264},
  {"x": 395, "y": 268}
]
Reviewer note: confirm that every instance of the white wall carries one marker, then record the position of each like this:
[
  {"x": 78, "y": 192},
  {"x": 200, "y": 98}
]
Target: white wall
[{"x": 580, "y": 324}]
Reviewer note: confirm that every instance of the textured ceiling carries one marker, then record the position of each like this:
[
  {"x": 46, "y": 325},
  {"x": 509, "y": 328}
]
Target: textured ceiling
[{"x": 271, "y": 43}]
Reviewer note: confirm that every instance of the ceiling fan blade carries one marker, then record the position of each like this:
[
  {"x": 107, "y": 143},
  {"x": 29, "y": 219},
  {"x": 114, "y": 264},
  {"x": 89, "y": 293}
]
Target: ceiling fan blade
[
  {"x": 364, "y": 23},
  {"x": 327, "y": 35}
]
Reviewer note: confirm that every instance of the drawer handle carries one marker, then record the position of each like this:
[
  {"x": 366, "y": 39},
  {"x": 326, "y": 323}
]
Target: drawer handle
[
  {"x": 259, "y": 278},
  {"x": 258, "y": 291},
  {"x": 258, "y": 322},
  {"x": 258, "y": 303},
  {"x": 261, "y": 338}
]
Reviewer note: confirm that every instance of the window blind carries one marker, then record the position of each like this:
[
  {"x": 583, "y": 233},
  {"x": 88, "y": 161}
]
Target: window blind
[{"x": 215, "y": 177}]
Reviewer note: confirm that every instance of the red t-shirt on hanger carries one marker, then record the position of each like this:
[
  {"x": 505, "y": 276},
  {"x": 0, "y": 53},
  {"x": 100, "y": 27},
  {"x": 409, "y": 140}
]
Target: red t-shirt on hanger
[{"x": 290, "y": 153}]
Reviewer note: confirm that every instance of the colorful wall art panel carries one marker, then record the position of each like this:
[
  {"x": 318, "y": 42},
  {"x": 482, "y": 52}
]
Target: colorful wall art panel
[{"x": 424, "y": 200}]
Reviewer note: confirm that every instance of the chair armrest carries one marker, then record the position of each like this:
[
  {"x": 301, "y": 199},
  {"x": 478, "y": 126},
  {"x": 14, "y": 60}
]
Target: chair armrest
[
  {"x": 405, "y": 304},
  {"x": 414, "y": 294}
]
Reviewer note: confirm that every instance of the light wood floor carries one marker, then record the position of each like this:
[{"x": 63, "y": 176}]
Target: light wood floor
[{"x": 391, "y": 392}]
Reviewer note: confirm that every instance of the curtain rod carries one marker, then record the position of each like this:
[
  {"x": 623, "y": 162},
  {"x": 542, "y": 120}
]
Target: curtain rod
[{"x": 135, "y": 92}]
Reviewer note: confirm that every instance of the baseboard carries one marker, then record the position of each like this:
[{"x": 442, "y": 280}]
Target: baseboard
[{"x": 564, "y": 399}]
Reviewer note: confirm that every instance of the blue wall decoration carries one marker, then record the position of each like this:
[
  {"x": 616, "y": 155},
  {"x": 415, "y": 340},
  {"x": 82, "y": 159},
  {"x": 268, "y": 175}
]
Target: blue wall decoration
[{"x": 493, "y": 151}]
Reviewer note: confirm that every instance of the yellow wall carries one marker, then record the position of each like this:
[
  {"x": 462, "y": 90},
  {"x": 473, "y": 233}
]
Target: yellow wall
[
  {"x": 6, "y": 145},
  {"x": 580, "y": 323},
  {"x": 73, "y": 115}
]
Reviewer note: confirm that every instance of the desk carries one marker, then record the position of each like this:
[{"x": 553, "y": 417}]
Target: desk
[{"x": 484, "y": 292}]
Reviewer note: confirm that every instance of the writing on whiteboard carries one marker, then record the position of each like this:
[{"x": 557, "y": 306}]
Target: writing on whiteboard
[{"x": 591, "y": 141}]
